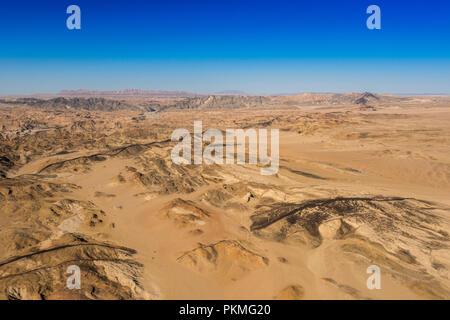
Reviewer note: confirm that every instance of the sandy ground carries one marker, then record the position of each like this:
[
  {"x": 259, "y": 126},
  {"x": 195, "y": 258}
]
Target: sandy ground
[{"x": 206, "y": 245}]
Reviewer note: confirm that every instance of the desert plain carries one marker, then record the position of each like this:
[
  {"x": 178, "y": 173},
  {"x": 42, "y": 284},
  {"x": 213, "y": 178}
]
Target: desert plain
[{"x": 86, "y": 179}]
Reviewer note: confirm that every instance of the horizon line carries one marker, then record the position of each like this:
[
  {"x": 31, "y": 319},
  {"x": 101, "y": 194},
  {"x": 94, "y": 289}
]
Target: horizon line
[{"x": 69, "y": 92}]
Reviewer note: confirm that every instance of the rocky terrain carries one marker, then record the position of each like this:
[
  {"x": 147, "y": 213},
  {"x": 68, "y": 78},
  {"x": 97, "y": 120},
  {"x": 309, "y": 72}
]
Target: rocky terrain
[
  {"x": 88, "y": 180},
  {"x": 92, "y": 104}
]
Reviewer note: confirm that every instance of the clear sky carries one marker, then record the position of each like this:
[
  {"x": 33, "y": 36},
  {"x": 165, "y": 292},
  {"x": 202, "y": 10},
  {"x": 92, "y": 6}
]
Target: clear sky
[{"x": 207, "y": 46}]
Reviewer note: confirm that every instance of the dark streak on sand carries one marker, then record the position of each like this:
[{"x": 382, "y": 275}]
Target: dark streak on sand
[{"x": 100, "y": 156}]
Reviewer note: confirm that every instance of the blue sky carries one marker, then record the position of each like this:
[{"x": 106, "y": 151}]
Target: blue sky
[{"x": 207, "y": 46}]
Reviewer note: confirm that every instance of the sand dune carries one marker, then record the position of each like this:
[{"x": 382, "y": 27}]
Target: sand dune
[{"x": 363, "y": 180}]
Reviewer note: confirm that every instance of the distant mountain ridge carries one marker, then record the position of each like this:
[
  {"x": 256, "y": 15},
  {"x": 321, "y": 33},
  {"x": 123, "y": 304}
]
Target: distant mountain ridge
[
  {"x": 136, "y": 100},
  {"x": 231, "y": 92},
  {"x": 138, "y": 93}
]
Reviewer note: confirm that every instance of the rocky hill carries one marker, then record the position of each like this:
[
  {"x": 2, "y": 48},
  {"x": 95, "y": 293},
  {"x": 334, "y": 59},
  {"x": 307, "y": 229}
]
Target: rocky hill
[
  {"x": 222, "y": 102},
  {"x": 100, "y": 104}
]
